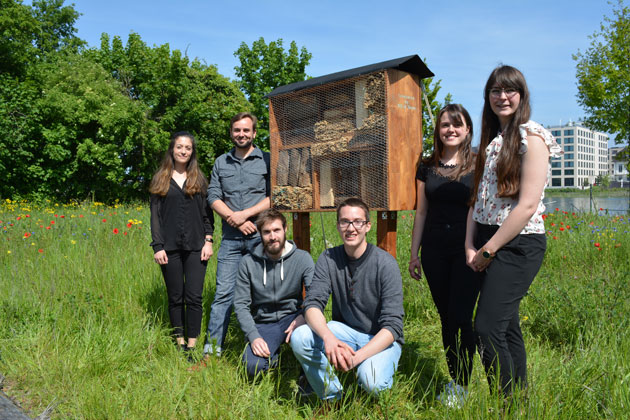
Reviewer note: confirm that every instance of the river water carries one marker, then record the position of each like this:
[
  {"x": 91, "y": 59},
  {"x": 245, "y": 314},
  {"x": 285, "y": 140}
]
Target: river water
[{"x": 612, "y": 205}]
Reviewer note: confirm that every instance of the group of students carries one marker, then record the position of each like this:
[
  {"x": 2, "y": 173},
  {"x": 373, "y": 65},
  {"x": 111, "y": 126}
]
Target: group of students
[{"x": 478, "y": 228}]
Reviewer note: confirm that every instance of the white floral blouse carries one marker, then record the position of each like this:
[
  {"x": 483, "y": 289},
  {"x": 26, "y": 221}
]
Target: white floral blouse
[{"x": 490, "y": 209}]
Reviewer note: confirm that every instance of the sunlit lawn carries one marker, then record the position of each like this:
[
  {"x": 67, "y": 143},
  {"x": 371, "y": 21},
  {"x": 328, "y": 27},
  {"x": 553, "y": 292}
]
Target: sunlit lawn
[{"x": 84, "y": 328}]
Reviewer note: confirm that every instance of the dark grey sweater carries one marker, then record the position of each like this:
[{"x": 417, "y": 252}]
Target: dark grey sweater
[
  {"x": 268, "y": 290},
  {"x": 369, "y": 301}
]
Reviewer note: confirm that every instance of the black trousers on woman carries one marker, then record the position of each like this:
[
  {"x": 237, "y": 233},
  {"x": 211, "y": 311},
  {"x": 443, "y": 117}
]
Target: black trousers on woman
[
  {"x": 454, "y": 288},
  {"x": 497, "y": 322},
  {"x": 184, "y": 276}
]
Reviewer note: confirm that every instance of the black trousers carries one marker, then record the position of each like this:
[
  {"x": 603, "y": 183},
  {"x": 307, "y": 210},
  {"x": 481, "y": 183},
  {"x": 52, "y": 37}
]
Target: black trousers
[
  {"x": 454, "y": 288},
  {"x": 504, "y": 284},
  {"x": 184, "y": 276}
]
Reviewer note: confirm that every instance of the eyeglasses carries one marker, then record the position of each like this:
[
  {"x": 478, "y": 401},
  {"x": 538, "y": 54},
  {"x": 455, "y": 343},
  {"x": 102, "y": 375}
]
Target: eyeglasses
[
  {"x": 345, "y": 224},
  {"x": 509, "y": 92}
]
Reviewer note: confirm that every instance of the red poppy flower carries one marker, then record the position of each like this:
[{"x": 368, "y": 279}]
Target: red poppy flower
[
  {"x": 129, "y": 224},
  {"x": 553, "y": 224},
  {"x": 555, "y": 237},
  {"x": 601, "y": 209},
  {"x": 104, "y": 220},
  {"x": 27, "y": 234},
  {"x": 40, "y": 250},
  {"x": 557, "y": 209},
  {"x": 568, "y": 227},
  {"x": 52, "y": 222},
  {"x": 561, "y": 229},
  {"x": 596, "y": 244},
  {"x": 125, "y": 233},
  {"x": 63, "y": 217},
  {"x": 81, "y": 215},
  {"x": 115, "y": 231},
  {"x": 18, "y": 218},
  {"x": 28, "y": 215},
  {"x": 47, "y": 227}
]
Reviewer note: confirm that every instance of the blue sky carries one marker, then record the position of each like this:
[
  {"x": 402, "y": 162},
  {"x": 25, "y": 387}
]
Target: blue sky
[{"x": 462, "y": 41}]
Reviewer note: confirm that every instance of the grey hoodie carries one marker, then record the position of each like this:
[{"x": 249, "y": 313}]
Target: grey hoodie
[{"x": 267, "y": 290}]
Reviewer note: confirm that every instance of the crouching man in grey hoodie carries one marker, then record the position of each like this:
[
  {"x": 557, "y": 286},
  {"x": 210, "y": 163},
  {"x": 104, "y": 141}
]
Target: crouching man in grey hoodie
[{"x": 268, "y": 295}]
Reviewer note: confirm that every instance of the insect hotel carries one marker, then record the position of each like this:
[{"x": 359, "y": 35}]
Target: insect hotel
[{"x": 356, "y": 133}]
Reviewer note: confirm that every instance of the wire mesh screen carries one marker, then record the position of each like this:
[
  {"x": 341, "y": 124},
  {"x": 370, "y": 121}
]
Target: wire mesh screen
[{"x": 333, "y": 144}]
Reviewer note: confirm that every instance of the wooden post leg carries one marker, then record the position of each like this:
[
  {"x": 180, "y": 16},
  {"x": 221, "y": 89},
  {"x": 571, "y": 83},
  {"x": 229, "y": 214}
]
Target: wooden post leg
[
  {"x": 386, "y": 231},
  {"x": 302, "y": 231}
]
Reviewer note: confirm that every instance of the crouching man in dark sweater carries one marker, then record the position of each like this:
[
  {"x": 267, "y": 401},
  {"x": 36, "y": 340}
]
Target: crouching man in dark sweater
[
  {"x": 366, "y": 331},
  {"x": 268, "y": 295}
]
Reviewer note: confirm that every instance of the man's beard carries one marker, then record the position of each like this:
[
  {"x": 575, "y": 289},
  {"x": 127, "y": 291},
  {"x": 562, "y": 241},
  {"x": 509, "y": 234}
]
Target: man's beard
[{"x": 279, "y": 245}]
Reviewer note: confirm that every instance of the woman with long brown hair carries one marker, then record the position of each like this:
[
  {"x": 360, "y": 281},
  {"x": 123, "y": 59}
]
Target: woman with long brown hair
[
  {"x": 505, "y": 236},
  {"x": 444, "y": 182},
  {"x": 182, "y": 225}
]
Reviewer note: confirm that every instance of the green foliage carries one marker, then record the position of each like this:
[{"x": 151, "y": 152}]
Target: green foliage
[
  {"x": 77, "y": 123},
  {"x": 176, "y": 94},
  {"x": 603, "y": 180},
  {"x": 20, "y": 146},
  {"x": 264, "y": 67},
  {"x": 431, "y": 90},
  {"x": 31, "y": 33},
  {"x": 603, "y": 76}
]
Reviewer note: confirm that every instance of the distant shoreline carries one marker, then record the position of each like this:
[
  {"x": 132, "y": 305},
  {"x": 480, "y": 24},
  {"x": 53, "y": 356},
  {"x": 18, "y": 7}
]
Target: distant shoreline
[{"x": 597, "y": 192}]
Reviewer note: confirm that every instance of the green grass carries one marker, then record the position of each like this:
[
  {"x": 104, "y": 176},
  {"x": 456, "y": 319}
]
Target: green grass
[
  {"x": 85, "y": 333},
  {"x": 584, "y": 192}
]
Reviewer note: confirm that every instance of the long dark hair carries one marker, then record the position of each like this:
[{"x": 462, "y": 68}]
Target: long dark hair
[
  {"x": 509, "y": 159},
  {"x": 196, "y": 182},
  {"x": 464, "y": 150}
]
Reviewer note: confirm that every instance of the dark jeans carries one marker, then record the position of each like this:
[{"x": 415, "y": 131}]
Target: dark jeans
[
  {"x": 497, "y": 323},
  {"x": 228, "y": 259},
  {"x": 274, "y": 335},
  {"x": 455, "y": 288},
  {"x": 184, "y": 276}
]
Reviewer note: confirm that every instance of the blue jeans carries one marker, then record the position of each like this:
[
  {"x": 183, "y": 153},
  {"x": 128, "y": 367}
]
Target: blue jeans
[
  {"x": 373, "y": 374},
  {"x": 228, "y": 260},
  {"x": 274, "y": 335}
]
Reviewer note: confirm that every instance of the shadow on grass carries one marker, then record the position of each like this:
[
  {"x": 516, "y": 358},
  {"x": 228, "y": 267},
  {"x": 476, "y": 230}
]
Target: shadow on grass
[
  {"x": 156, "y": 304},
  {"x": 421, "y": 373}
]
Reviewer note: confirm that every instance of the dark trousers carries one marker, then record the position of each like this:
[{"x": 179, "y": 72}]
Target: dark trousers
[
  {"x": 184, "y": 276},
  {"x": 274, "y": 335},
  {"x": 497, "y": 323},
  {"x": 454, "y": 288}
]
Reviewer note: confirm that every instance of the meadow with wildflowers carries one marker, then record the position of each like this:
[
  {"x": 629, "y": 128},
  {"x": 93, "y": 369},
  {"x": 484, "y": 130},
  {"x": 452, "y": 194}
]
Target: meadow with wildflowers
[{"x": 85, "y": 333}]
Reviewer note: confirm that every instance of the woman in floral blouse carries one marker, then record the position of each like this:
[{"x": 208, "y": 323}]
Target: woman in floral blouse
[{"x": 505, "y": 234}]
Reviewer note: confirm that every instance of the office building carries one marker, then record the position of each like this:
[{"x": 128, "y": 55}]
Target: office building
[
  {"x": 585, "y": 156},
  {"x": 617, "y": 167}
]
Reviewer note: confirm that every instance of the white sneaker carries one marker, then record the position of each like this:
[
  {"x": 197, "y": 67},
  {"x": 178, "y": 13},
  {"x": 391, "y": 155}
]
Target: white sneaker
[{"x": 453, "y": 396}]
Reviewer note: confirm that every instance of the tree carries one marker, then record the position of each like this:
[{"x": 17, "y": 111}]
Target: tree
[
  {"x": 264, "y": 67},
  {"x": 603, "y": 180},
  {"x": 31, "y": 33},
  {"x": 431, "y": 91},
  {"x": 603, "y": 76},
  {"x": 178, "y": 94}
]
